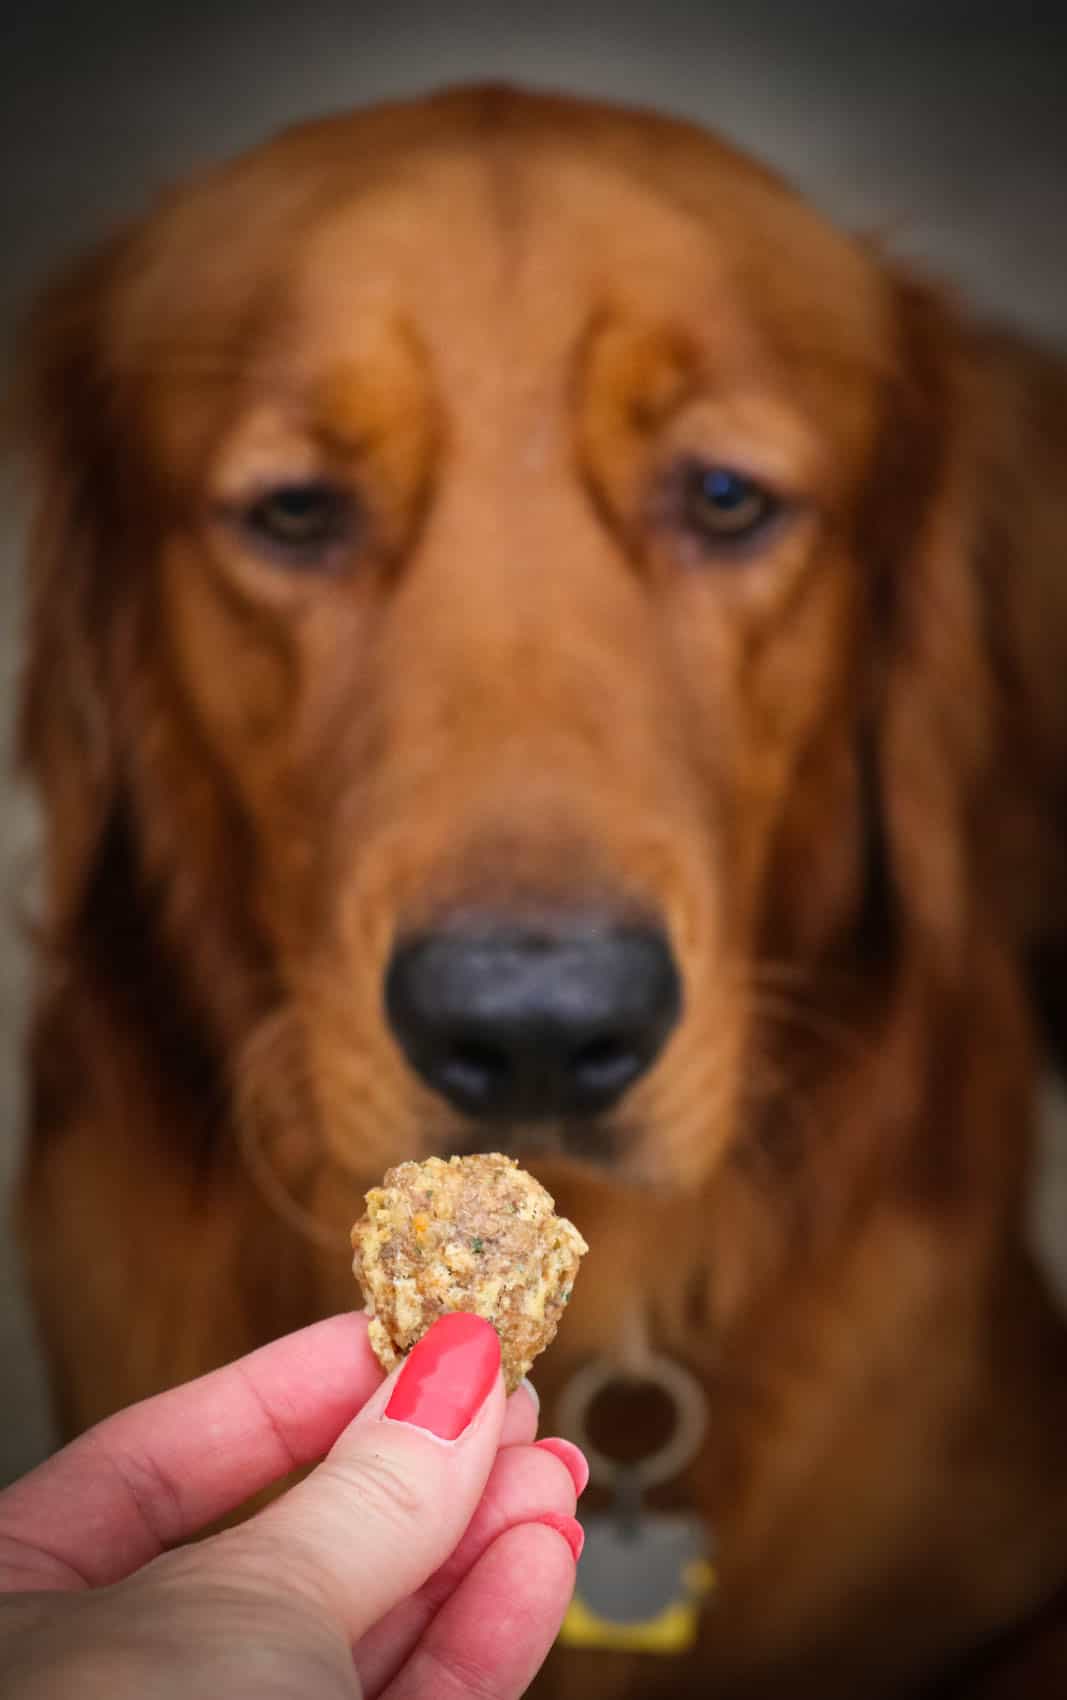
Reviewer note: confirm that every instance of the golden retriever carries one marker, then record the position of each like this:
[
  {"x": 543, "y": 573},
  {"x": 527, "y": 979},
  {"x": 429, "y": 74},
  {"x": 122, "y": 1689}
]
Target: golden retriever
[{"x": 538, "y": 642}]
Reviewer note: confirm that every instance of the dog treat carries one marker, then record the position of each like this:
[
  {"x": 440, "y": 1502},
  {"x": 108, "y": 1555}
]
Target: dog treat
[{"x": 470, "y": 1233}]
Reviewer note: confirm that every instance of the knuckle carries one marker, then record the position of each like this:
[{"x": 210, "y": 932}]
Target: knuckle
[
  {"x": 153, "y": 1494},
  {"x": 382, "y": 1488},
  {"x": 448, "y": 1675}
]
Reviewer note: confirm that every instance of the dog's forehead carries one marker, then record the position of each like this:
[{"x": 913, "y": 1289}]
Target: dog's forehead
[
  {"x": 517, "y": 252},
  {"x": 469, "y": 236},
  {"x": 490, "y": 247}
]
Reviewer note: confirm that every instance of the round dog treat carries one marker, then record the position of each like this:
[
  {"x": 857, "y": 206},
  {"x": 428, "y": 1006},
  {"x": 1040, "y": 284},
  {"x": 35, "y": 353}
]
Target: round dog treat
[{"x": 470, "y": 1233}]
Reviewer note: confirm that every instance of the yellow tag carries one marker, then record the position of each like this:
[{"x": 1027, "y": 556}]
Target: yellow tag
[
  {"x": 673, "y": 1632},
  {"x": 641, "y": 1590}
]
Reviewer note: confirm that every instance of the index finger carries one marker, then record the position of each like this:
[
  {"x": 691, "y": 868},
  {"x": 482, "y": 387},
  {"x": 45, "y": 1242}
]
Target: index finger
[{"x": 156, "y": 1474}]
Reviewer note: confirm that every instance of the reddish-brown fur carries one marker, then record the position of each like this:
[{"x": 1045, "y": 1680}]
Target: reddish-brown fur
[{"x": 833, "y": 769}]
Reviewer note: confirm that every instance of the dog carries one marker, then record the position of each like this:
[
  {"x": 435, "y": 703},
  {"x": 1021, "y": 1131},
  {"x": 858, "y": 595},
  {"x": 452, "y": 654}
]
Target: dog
[{"x": 537, "y": 642}]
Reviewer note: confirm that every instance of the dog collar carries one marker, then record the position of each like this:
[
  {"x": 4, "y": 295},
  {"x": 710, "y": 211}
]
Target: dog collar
[{"x": 645, "y": 1575}]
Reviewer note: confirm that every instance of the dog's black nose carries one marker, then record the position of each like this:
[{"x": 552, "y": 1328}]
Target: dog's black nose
[{"x": 525, "y": 1023}]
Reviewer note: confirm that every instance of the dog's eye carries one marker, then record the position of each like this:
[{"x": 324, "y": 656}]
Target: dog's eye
[
  {"x": 304, "y": 523},
  {"x": 722, "y": 506}
]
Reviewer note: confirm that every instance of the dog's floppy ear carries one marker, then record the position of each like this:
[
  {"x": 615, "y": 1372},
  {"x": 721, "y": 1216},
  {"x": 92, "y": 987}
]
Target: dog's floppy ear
[
  {"x": 67, "y": 418},
  {"x": 929, "y": 708},
  {"x": 967, "y": 533},
  {"x": 1020, "y": 474},
  {"x": 1021, "y": 565}
]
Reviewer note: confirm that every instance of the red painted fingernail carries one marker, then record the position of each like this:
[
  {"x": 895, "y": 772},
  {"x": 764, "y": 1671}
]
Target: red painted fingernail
[
  {"x": 571, "y": 1457},
  {"x": 447, "y": 1376},
  {"x": 569, "y": 1528}
]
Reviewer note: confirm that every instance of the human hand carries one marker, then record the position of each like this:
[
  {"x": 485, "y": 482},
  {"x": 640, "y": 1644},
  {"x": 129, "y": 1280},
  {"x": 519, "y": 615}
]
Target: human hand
[{"x": 431, "y": 1553}]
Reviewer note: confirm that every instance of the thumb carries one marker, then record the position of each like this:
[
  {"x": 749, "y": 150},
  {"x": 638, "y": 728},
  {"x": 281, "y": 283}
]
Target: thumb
[{"x": 391, "y": 1500}]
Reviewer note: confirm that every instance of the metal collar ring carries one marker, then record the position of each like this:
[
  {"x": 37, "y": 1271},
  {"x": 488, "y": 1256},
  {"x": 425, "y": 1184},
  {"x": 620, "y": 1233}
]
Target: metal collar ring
[{"x": 686, "y": 1394}]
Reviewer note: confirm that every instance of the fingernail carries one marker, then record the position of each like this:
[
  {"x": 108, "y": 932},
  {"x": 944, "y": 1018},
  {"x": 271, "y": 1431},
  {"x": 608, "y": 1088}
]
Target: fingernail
[
  {"x": 571, "y": 1457},
  {"x": 569, "y": 1528},
  {"x": 532, "y": 1391},
  {"x": 447, "y": 1376}
]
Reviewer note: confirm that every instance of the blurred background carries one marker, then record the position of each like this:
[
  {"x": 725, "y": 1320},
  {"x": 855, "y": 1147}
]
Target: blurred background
[{"x": 940, "y": 123}]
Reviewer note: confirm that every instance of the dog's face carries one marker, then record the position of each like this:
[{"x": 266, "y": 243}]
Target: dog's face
[{"x": 485, "y": 496}]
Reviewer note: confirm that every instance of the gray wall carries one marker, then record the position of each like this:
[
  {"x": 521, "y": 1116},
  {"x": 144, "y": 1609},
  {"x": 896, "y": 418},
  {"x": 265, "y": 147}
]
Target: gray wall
[{"x": 942, "y": 124}]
